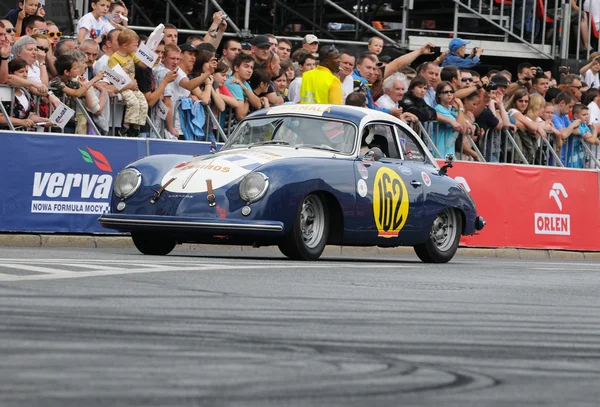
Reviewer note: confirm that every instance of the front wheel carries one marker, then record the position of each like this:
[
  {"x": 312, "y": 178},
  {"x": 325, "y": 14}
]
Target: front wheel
[
  {"x": 153, "y": 244},
  {"x": 443, "y": 239},
  {"x": 310, "y": 231}
]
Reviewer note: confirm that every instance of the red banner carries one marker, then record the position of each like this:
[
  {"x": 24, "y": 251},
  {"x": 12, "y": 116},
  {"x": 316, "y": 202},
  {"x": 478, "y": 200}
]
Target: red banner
[{"x": 533, "y": 207}]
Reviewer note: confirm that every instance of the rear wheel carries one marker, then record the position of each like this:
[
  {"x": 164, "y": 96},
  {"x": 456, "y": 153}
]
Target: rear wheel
[
  {"x": 153, "y": 243},
  {"x": 443, "y": 239},
  {"x": 310, "y": 231}
]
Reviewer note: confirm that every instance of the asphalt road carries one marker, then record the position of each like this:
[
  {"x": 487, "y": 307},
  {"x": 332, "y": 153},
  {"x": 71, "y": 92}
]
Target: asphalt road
[{"x": 104, "y": 327}]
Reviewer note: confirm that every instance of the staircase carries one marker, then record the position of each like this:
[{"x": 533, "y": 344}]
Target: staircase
[{"x": 511, "y": 28}]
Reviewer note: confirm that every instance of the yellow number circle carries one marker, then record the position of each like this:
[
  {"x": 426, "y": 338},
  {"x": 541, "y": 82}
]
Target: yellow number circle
[{"x": 390, "y": 203}]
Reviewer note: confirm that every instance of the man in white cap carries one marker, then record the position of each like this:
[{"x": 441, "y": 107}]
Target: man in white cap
[
  {"x": 456, "y": 56},
  {"x": 311, "y": 43}
]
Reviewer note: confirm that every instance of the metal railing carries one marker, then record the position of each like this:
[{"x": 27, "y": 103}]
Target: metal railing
[
  {"x": 7, "y": 95},
  {"x": 503, "y": 146}
]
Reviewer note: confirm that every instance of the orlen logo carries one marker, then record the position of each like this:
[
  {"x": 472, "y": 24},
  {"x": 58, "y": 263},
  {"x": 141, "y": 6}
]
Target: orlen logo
[
  {"x": 58, "y": 184},
  {"x": 554, "y": 223}
]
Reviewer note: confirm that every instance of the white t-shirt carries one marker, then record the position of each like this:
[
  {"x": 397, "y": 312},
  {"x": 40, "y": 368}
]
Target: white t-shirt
[
  {"x": 347, "y": 87},
  {"x": 101, "y": 64},
  {"x": 592, "y": 79},
  {"x": 386, "y": 102},
  {"x": 177, "y": 92},
  {"x": 95, "y": 27},
  {"x": 594, "y": 112},
  {"x": 294, "y": 91},
  {"x": 34, "y": 73}
]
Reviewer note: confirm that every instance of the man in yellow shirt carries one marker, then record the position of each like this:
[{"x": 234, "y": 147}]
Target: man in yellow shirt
[{"x": 320, "y": 85}]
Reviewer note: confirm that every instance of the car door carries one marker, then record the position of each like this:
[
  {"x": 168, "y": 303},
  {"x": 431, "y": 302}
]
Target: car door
[{"x": 389, "y": 197}]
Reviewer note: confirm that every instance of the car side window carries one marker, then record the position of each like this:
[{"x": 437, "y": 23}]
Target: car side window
[
  {"x": 383, "y": 137},
  {"x": 411, "y": 149}
]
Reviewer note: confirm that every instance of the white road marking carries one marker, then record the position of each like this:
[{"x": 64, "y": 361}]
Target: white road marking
[{"x": 52, "y": 268}]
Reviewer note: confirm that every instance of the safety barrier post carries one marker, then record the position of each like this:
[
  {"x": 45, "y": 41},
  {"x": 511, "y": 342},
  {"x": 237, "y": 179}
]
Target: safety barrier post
[
  {"x": 423, "y": 133},
  {"x": 516, "y": 148},
  {"x": 153, "y": 127},
  {"x": 90, "y": 122},
  {"x": 216, "y": 123},
  {"x": 592, "y": 156},
  {"x": 7, "y": 95}
]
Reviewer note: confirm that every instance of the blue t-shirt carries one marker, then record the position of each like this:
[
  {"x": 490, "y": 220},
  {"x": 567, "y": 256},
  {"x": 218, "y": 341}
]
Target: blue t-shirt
[
  {"x": 445, "y": 137},
  {"x": 561, "y": 121},
  {"x": 236, "y": 89}
]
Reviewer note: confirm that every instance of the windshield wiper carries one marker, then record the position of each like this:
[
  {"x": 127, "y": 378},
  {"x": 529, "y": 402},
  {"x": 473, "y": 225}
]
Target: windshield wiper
[
  {"x": 263, "y": 143},
  {"x": 321, "y": 147}
]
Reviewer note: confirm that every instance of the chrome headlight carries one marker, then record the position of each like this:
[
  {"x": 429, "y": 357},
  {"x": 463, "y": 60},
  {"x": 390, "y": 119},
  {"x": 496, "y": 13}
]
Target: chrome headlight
[
  {"x": 127, "y": 183},
  {"x": 254, "y": 186}
]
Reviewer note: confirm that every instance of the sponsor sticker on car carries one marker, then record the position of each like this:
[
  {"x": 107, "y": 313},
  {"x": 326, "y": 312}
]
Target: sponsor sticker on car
[{"x": 390, "y": 203}]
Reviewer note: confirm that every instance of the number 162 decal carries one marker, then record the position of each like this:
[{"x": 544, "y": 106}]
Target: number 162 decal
[{"x": 390, "y": 203}]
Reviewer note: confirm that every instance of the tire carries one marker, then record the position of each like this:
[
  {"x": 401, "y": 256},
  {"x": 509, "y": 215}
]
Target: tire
[
  {"x": 310, "y": 231},
  {"x": 444, "y": 238},
  {"x": 153, "y": 244}
]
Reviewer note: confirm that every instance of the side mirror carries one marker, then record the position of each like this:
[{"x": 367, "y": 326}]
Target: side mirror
[{"x": 449, "y": 161}]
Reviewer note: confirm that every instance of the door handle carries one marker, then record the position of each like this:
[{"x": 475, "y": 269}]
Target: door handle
[{"x": 415, "y": 183}]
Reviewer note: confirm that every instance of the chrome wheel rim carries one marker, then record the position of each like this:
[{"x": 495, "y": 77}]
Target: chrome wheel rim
[
  {"x": 312, "y": 221},
  {"x": 444, "y": 230}
]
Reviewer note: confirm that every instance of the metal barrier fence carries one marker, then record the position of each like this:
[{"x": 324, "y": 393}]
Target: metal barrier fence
[
  {"x": 7, "y": 95},
  {"x": 503, "y": 146}
]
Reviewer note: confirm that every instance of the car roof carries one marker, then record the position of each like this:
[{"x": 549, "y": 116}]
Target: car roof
[{"x": 351, "y": 113}]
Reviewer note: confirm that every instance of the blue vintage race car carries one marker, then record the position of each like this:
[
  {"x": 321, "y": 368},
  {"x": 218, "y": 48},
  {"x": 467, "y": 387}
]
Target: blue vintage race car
[{"x": 299, "y": 177}]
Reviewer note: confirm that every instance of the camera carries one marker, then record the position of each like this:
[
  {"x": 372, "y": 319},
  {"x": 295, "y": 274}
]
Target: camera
[
  {"x": 490, "y": 86},
  {"x": 539, "y": 72}
]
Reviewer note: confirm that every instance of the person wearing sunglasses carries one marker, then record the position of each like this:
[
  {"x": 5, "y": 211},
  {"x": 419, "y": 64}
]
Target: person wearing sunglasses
[
  {"x": 451, "y": 118},
  {"x": 34, "y": 25},
  {"x": 10, "y": 30},
  {"x": 53, "y": 33}
]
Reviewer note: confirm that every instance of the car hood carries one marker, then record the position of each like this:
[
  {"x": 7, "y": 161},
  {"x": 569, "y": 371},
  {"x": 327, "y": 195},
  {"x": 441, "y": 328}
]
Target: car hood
[{"x": 226, "y": 166}]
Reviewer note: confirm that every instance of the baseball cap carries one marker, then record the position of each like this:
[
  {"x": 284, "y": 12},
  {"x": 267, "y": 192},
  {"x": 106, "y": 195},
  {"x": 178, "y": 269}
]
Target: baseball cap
[
  {"x": 260, "y": 41},
  {"x": 500, "y": 80},
  {"x": 187, "y": 47},
  {"x": 309, "y": 39},
  {"x": 456, "y": 43}
]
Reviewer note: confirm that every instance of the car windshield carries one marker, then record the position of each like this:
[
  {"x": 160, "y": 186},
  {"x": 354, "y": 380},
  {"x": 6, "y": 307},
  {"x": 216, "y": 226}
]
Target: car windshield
[{"x": 295, "y": 132}]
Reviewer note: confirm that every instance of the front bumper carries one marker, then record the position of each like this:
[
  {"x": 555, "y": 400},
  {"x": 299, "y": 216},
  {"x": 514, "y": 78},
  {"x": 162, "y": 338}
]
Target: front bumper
[{"x": 179, "y": 225}]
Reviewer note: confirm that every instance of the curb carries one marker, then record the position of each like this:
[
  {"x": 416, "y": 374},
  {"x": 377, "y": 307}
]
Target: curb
[{"x": 125, "y": 242}]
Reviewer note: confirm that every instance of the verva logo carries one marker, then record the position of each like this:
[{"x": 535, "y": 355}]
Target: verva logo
[
  {"x": 554, "y": 223},
  {"x": 58, "y": 184}
]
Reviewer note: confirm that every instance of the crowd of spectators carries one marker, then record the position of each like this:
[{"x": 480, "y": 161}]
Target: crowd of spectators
[{"x": 191, "y": 80}]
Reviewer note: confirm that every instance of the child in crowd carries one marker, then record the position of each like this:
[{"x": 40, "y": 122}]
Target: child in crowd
[
  {"x": 136, "y": 107},
  {"x": 23, "y": 105},
  {"x": 69, "y": 70},
  {"x": 93, "y": 25},
  {"x": 16, "y": 16},
  {"x": 575, "y": 156},
  {"x": 117, "y": 15},
  {"x": 91, "y": 101}
]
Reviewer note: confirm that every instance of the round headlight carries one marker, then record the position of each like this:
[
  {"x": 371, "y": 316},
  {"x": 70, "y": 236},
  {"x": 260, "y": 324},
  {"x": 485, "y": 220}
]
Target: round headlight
[
  {"x": 254, "y": 186},
  {"x": 127, "y": 183}
]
